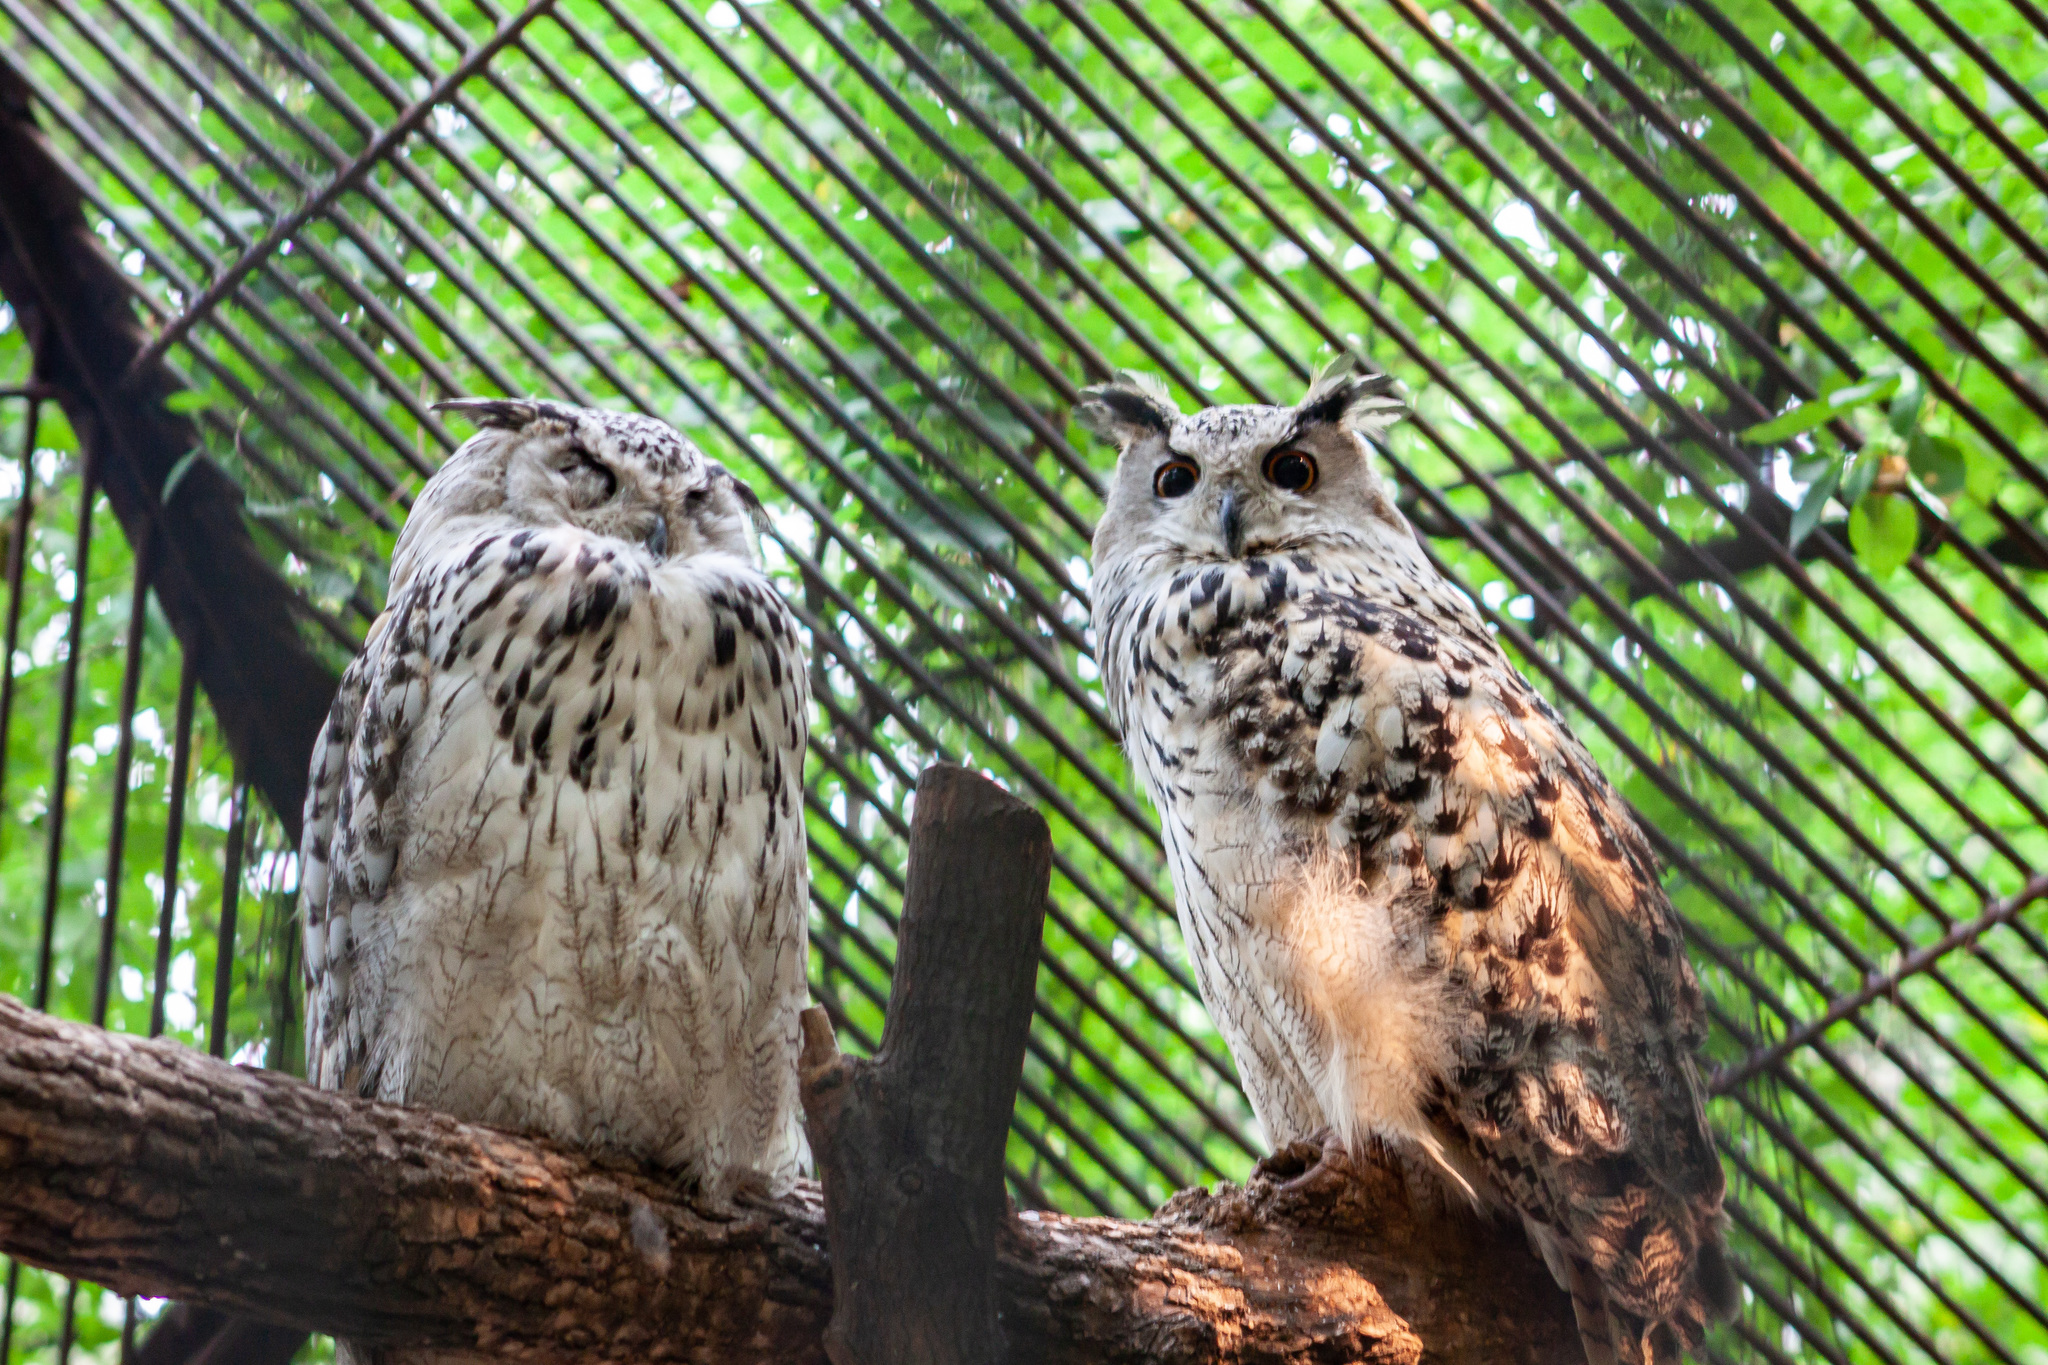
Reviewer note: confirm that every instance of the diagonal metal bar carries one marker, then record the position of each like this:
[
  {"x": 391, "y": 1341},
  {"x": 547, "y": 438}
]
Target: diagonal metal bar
[
  {"x": 1819, "y": 811},
  {"x": 381, "y": 146}
]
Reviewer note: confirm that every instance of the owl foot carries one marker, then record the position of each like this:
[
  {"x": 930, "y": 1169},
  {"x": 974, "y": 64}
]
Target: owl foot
[
  {"x": 1308, "y": 1163},
  {"x": 732, "y": 1197},
  {"x": 1316, "y": 1182}
]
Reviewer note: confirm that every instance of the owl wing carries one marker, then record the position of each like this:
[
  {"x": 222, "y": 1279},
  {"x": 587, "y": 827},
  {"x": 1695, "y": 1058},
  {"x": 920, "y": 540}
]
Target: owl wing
[
  {"x": 1580, "y": 1096},
  {"x": 1574, "y": 1091},
  {"x": 347, "y": 846}
]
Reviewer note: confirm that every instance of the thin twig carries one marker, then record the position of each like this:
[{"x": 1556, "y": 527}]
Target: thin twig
[{"x": 1919, "y": 960}]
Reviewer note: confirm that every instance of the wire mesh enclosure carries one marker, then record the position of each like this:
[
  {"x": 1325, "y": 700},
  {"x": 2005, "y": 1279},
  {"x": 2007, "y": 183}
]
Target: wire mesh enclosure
[{"x": 1724, "y": 328}]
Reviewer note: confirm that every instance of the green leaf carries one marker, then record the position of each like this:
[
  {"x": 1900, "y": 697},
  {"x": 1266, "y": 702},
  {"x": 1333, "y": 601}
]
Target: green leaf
[
  {"x": 1869, "y": 391},
  {"x": 1929, "y": 344},
  {"x": 1939, "y": 462},
  {"x": 1654, "y": 806},
  {"x": 1858, "y": 477},
  {"x": 1809, "y": 415},
  {"x": 1907, "y": 405},
  {"x": 1807, "y": 515},
  {"x": 178, "y": 473},
  {"x": 186, "y": 401},
  {"x": 1983, "y": 474},
  {"x": 1882, "y": 531},
  {"x": 1786, "y": 425},
  {"x": 54, "y": 432}
]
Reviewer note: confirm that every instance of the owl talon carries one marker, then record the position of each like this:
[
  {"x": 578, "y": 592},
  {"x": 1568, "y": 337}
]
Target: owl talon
[
  {"x": 1306, "y": 1161},
  {"x": 726, "y": 1199}
]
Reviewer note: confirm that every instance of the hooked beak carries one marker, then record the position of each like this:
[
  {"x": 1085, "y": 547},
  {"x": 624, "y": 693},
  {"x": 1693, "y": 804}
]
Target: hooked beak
[
  {"x": 657, "y": 538},
  {"x": 1233, "y": 523}
]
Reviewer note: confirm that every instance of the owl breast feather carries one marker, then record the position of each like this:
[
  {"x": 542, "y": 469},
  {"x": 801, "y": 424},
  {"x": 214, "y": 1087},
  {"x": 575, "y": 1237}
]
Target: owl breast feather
[
  {"x": 1293, "y": 716},
  {"x": 570, "y": 840}
]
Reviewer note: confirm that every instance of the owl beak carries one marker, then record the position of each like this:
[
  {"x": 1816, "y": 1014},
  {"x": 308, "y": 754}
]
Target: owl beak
[
  {"x": 1233, "y": 522},
  {"x": 657, "y": 538}
]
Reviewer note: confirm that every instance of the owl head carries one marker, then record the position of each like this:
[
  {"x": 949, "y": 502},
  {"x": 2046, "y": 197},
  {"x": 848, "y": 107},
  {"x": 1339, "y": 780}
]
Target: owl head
[
  {"x": 617, "y": 474},
  {"x": 1239, "y": 481}
]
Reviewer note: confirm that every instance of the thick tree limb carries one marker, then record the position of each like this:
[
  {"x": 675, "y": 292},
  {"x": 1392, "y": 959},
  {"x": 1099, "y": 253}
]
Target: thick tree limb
[
  {"x": 909, "y": 1144},
  {"x": 153, "y": 1169}
]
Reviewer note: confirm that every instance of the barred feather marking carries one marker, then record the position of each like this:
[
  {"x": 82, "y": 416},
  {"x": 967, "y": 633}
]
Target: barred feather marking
[{"x": 555, "y": 871}]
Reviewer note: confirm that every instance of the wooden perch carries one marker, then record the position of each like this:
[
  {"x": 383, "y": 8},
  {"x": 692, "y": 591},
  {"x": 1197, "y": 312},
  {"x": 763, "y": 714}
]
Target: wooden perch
[
  {"x": 153, "y": 1169},
  {"x": 910, "y": 1144}
]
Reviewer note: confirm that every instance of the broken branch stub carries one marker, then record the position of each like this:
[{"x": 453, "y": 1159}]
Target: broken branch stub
[{"x": 910, "y": 1143}]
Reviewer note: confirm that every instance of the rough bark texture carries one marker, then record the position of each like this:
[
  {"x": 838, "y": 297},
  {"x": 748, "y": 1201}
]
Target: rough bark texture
[
  {"x": 156, "y": 1170},
  {"x": 909, "y": 1144},
  {"x": 153, "y": 1169},
  {"x": 269, "y": 689}
]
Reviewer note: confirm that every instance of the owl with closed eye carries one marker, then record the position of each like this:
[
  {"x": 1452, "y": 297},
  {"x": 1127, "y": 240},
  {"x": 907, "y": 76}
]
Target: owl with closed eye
[
  {"x": 1418, "y": 912},
  {"x": 554, "y": 871}
]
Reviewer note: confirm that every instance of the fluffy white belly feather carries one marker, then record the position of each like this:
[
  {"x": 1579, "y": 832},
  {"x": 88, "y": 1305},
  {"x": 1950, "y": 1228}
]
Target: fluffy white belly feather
[{"x": 1332, "y": 1009}]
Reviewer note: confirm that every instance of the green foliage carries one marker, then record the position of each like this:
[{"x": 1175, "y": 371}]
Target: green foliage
[
  {"x": 865, "y": 253},
  {"x": 259, "y": 1013}
]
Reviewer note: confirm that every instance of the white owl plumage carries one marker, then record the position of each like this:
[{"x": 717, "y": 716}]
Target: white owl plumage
[
  {"x": 1417, "y": 911},
  {"x": 554, "y": 864}
]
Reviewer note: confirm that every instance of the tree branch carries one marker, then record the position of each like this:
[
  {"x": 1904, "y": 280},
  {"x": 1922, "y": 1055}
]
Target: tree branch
[
  {"x": 153, "y": 1169},
  {"x": 1878, "y": 984},
  {"x": 910, "y": 1143}
]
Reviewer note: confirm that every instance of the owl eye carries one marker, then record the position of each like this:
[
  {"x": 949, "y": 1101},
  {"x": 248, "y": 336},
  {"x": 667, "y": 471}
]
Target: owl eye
[
  {"x": 590, "y": 481},
  {"x": 1176, "y": 479},
  {"x": 1292, "y": 470}
]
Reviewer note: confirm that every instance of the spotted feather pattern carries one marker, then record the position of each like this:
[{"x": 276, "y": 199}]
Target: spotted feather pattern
[{"x": 554, "y": 871}]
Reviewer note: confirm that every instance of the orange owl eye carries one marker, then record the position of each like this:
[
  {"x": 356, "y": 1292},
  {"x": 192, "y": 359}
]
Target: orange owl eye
[
  {"x": 1292, "y": 470},
  {"x": 1176, "y": 479}
]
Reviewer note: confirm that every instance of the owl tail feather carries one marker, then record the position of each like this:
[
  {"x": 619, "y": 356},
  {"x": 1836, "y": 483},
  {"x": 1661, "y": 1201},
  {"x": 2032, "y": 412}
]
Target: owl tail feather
[{"x": 1589, "y": 1306}]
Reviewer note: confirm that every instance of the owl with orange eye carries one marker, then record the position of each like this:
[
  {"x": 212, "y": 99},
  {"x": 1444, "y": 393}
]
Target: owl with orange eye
[{"x": 1418, "y": 912}]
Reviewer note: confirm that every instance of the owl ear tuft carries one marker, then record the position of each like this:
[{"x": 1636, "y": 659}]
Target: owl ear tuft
[
  {"x": 506, "y": 414},
  {"x": 1347, "y": 393},
  {"x": 749, "y": 499},
  {"x": 1127, "y": 409}
]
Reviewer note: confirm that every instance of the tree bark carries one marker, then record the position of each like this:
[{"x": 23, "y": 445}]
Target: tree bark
[
  {"x": 909, "y": 1144},
  {"x": 153, "y": 1169}
]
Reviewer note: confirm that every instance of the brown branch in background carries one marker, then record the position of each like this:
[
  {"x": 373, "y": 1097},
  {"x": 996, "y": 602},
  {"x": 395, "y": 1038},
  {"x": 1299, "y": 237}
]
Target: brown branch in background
[
  {"x": 223, "y": 599},
  {"x": 228, "y": 607},
  {"x": 1960, "y": 936}
]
